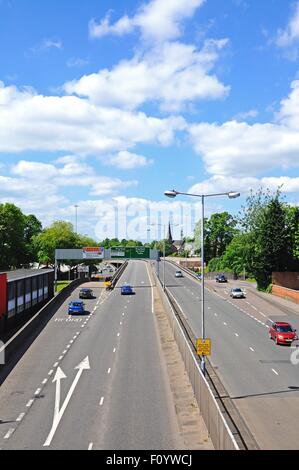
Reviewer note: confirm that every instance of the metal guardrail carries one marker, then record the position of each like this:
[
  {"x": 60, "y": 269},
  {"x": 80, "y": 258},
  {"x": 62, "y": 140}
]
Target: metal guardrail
[{"x": 225, "y": 425}]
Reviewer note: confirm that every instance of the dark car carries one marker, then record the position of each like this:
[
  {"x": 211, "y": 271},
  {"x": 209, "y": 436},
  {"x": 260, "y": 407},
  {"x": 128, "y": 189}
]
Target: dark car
[
  {"x": 127, "y": 290},
  {"x": 76, "y": 306},
  {"x": 282, "y": 333},
  {"x": 221, "y": 278},
  {"x": 86, "y": 294}
]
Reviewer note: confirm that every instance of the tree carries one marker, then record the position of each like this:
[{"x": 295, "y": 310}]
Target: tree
[
  {"x": 220, "y": 230},
  {"x": 265, "y": 221},
  {"x": 33, "y": 227},
  {"x": 12, "y": 242},
  {"x": 59, "y": 235}
]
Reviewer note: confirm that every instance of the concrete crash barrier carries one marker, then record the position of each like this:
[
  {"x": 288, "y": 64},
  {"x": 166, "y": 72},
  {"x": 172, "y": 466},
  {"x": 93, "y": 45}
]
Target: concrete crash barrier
[
  {"x": 118, "y": 275},
  {"x": 221, "y": 435},
  {"x": 12, "y": 349}
]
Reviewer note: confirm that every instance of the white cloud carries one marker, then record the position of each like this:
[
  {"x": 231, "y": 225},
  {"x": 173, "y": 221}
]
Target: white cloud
[
  {"x": 158, "y": 20},
  {"x": 127, "y": 160},
  {"x": 48, "y": 43},
  {"x": 251, "y": 114},
  {"x": 240, "y": 149},
  {"x": 76, "y": 62},
  {"x": 288, "y": 36},
  {"x": 243, "y": 185},
  {"x": 172, "y": 75},
  {"x": 29, "y": 121}
]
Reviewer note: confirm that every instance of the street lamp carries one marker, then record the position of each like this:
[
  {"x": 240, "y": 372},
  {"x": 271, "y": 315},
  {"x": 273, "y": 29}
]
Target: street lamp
[{"x": 231, "y": 195}]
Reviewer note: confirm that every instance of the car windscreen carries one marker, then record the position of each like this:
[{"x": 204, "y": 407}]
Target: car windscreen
[
  {"x": 284, "y": 329},
  {"x": 76, "y": 304},
  {"x": 237, "y": 290}
]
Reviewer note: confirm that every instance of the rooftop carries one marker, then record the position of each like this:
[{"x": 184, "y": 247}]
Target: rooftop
[{"x": 23, "y": 273}]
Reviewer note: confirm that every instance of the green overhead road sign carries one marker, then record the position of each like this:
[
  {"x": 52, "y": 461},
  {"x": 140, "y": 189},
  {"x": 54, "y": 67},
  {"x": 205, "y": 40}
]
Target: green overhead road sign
[{"x": 130, "y": 252}]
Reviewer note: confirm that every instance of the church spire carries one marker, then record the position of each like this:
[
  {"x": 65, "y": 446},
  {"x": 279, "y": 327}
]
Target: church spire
[{"x": 169, "y": 234}]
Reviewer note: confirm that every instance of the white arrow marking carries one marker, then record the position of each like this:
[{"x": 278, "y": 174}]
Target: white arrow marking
[
  {"x": 58, "y": 377},
  {"x": 84, "y": 365}
]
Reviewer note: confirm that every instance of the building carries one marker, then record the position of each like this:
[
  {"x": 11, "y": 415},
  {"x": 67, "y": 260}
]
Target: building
[{"x": 23, "y": 292}]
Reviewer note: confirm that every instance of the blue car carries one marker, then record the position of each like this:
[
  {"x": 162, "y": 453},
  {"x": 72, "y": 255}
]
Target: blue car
[
  {"x": 127, "y": 290},
  {"x": 76, "y": 306}
]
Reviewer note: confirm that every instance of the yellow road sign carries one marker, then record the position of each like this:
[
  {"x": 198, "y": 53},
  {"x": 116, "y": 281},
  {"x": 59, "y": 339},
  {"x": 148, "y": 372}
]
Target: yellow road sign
[{"x": 203, "y": 347}]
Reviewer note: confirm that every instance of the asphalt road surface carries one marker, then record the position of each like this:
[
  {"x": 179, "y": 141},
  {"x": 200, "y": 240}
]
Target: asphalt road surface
[
  {"x": 257, "y": 373},
  {"x": 95, "y": 381}
]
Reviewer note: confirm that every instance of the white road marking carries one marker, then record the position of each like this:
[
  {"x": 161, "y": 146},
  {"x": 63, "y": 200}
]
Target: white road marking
[
  {"x": 64, "y": 352},
  {"x": 90, "y": 446},
  {"x": 236, "y": 334},
  {"x": 51, "y": 372},
  {"x": 9, "y": 433},
  {"x": 275, "y": 371},
  {"x": 44, "y": 381},
  {"x": 224, "y": 323},
  {"x": 30, "y": 403},
  {"x": 38, "y": 391},
  {"x": 102, "y": 401},
  {"x": 109, "y": 371},
  {"x": 55, "y": 365},
  {"x": 152, "y": 290},
  {"x": 114, "y": 350},
  {"x": 20, "y": 417},
  {"x": 84, "y": 365},
  {"x": 121, "y": 323},
  {"x": 251, "y": 349},
  {"x": 118, "y": 334},
  {"x": 216, "y": 314}
]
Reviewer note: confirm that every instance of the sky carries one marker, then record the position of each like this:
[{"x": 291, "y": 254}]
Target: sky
[{"x": 107, "y": 104}]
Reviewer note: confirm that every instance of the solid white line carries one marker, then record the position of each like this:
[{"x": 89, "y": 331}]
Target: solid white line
[
  {"x": 90, "y": 446},
  {"x": 102, "y": 401},
  {"x": 152, "y": 290},
  {"x": 275, "y": 371},
  {"x": 20, "y": 417},
  {"x": 9, "y": 433},
  {"x": 30, "y": 403}
]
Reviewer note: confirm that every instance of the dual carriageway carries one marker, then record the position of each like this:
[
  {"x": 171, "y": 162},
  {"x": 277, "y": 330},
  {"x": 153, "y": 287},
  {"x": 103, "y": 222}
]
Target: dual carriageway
[{"x": 110, "y": 388}]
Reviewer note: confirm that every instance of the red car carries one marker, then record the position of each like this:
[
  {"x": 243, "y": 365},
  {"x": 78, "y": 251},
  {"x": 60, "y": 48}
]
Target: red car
[{"x": 282, "y": 333}]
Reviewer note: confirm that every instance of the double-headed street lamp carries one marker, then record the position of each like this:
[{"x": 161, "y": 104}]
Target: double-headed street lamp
[{"x": 232, "y": 195}]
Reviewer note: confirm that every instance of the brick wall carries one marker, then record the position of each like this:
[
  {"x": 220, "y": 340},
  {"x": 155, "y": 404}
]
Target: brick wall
[
  {"x": 286, "y": 293},
  {"x": 286, "y": 279}
]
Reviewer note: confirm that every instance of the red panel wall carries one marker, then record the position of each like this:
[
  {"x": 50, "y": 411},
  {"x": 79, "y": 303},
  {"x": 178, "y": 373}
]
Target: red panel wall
[{"x": 3, "y": 293}]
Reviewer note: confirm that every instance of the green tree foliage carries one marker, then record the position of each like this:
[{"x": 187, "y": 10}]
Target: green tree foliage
[
  {"x": 16, "y": 233},
  {"x": 59, "y": 235},
  {"x": 220, "y": 230}
]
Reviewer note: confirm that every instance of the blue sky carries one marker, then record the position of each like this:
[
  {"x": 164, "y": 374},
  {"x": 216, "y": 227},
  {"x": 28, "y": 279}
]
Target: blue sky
[{"x": 106, "y": 104}]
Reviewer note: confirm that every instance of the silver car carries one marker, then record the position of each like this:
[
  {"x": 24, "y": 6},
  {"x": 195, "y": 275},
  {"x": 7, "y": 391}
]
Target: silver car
[
  {"x": 179, "y": 274},
  {"x": 237, "y": 293}
]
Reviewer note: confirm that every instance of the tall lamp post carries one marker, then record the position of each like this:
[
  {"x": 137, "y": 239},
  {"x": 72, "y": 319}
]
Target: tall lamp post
[
  {"x": 76, "y": 208},
  {"x": 232, "y": 195}
]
